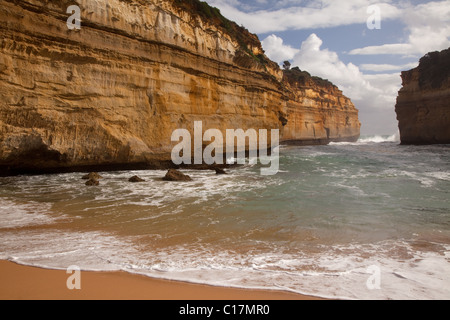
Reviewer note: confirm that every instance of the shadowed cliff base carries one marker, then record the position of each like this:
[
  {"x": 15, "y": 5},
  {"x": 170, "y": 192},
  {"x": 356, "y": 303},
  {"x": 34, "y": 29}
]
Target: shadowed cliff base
[
  {"x": 423, "y": 103},
  {"x": 31, "y": 169},
  {"x": 36, "y": 164},
  {"x": 320, "y": 142},
  {"x": 36, "y": 169}
]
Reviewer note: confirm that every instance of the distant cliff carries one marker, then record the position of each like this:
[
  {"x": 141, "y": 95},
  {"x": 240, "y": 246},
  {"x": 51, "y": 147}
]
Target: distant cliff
[
  {"x": 317, "y": 111},
  {"x": 423, "y": 103},
  {"x": 112, "y": 93}
]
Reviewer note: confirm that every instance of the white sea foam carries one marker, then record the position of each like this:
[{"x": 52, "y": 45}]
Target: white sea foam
[
  {"x": 244, "y": 230},
  {"x": 425, "y": 181},
  {"x": 370, "y": 139},
  {"x": 351, "y": 188},
  {"x": 13, "y": 214},
  {"x": 206, "y": 185},
  {"x": 441, "y": 175},
  {"x": 59, "y": 249},
  {"x": 339, "y": 271},
  {"x": 380, "y": 139}
]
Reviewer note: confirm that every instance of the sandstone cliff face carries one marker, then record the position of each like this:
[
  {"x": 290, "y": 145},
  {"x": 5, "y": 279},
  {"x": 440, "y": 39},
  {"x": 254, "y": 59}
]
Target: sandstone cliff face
[
  {"x": 423, "y": 103},
  {"x": 113, "y": 92},
  {"x": 317, "y": 112}
]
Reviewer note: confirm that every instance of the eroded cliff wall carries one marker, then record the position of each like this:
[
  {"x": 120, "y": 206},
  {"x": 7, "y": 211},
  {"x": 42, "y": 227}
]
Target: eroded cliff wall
[
  {"x": 317, "y": 111},
  {"x": 113, "y": 92},
  {"x": 423, "y": 103}
]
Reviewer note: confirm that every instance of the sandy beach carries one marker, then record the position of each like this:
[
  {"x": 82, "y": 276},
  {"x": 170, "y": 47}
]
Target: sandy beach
[{"x": 18, "y": 282}]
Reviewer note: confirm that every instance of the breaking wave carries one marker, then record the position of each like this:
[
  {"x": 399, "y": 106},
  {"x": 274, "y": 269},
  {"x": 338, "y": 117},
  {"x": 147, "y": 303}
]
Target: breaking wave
[{"x": 380, "y": 138}]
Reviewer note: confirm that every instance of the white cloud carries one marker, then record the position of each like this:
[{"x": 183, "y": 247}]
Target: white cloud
[
  {"x": 387, "y": 86},
  {"x": 429, "y": 30},
  {"x": 373, "y": 95},
  {"x": 427, "y": 24},
  {"x": 387, "y": 67},
  {"x": 310, "y": 15},
  {"x": 397, "y": 48},
  {"x": 326, "y": 64},
  {"x": 276, "y": 50}
]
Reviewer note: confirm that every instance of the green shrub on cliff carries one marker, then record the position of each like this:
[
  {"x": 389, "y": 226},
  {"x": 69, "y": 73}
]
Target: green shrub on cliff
[
  {"x": 303, "y": 77},
  {"x": 205, "y": 11}
]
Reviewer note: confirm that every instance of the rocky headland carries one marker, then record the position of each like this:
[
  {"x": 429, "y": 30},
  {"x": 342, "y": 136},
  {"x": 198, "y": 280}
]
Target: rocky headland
[
  {"x": 423, "y": 103},
  {"x": 110, "y": 94}
]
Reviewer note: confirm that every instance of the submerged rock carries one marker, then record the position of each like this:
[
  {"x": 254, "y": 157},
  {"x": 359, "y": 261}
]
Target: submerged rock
[
  {"x": 220, "y": 171},
  {"x": 175, "y": 175},
  {"x": 136, "y": 179},
  {"x": 92, "y": 176},
  {"x": 92, "y": 182}
]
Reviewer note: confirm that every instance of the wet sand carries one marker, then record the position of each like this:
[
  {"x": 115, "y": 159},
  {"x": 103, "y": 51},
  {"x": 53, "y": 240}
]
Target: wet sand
[{"x": 18, "y": 282}]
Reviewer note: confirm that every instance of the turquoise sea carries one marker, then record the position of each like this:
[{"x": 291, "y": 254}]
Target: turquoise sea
[{"x": 364, "y": 220}]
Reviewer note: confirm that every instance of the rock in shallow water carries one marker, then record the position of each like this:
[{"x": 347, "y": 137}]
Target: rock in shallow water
[
  {"x": 136, "y": 179},
  {"x": 92, "y": 176},
  {"x": 92, "y": 182},
  {"x": 175, "y": 175},
  {"x": 220, "y": 171}
]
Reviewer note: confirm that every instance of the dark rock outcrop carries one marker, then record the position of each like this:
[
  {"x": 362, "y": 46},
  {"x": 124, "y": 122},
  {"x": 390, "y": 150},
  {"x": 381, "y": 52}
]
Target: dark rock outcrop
[
  {"x": 175, "y": 175},
  {"x": 92, "y": 176},
  {"x": 92, "y": 182},
  {"x": 136, "y": 179},
  {"x": 219, "y": 170}
]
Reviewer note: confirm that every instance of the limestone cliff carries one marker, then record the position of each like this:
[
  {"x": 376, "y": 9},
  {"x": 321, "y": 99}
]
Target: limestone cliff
[
  {"x": 423, "y": 103},
  {"x": 112, "y": 92},
  {"x": 317, "y": 111}
]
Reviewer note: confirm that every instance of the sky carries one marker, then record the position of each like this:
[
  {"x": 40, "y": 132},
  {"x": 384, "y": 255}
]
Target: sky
[{"x": 360, "y": 45}]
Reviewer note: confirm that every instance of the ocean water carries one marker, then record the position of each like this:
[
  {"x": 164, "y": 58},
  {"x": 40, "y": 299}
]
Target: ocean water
[{"x": 365, "y": 220}]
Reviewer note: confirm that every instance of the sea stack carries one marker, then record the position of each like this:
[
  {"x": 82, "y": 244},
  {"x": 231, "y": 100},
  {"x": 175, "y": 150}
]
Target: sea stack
[{"x": 423, "y": 103}]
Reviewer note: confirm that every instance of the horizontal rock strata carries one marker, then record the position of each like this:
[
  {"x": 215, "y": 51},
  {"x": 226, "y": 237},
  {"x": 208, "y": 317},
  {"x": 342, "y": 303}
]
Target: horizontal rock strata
[
  {"x": 423, "y": 103},
  {"x": 110, "y": 94}
]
